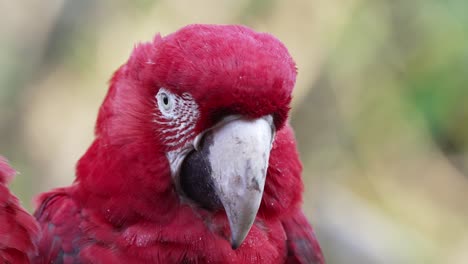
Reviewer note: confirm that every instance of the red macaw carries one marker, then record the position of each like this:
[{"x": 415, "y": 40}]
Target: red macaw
[
  {"x": 193, "y": 160},
  {"x": 18, "y": 229}
]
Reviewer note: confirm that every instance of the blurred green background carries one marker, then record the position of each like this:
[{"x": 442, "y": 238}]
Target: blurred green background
[{"x": 380, "y": 107}]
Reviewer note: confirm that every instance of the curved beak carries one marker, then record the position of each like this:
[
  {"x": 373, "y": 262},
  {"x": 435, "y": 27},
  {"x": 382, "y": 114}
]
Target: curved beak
[{"x": 236, "y": 154}]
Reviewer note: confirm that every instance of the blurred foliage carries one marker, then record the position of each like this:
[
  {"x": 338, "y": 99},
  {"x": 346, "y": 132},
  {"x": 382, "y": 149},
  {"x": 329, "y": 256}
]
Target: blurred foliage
[{"x": 379, "y": 107}]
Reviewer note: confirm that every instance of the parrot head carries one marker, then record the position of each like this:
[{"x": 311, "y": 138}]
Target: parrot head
[{"x": 191, "y": 119}]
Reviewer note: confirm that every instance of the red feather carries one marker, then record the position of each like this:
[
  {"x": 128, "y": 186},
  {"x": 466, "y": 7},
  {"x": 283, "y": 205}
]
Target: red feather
[
  {"x": 303, "y": 247},
  {"x": 18, "y": 229}
]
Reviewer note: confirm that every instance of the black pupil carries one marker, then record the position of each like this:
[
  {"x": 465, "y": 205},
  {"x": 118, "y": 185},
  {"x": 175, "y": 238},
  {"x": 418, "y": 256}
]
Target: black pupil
[{"x": 165, "y": 99}]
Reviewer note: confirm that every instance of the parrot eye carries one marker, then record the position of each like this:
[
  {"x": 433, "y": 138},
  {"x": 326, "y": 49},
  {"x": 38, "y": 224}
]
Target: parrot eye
[{"x": 165, "y": 101}]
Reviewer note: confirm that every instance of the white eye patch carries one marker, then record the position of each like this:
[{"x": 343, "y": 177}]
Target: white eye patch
[{"x": 177, "y": 117}]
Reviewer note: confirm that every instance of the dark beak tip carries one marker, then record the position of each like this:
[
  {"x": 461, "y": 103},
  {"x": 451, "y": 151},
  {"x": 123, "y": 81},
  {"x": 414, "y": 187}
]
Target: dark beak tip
[{"x": 235, "y": 245}]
